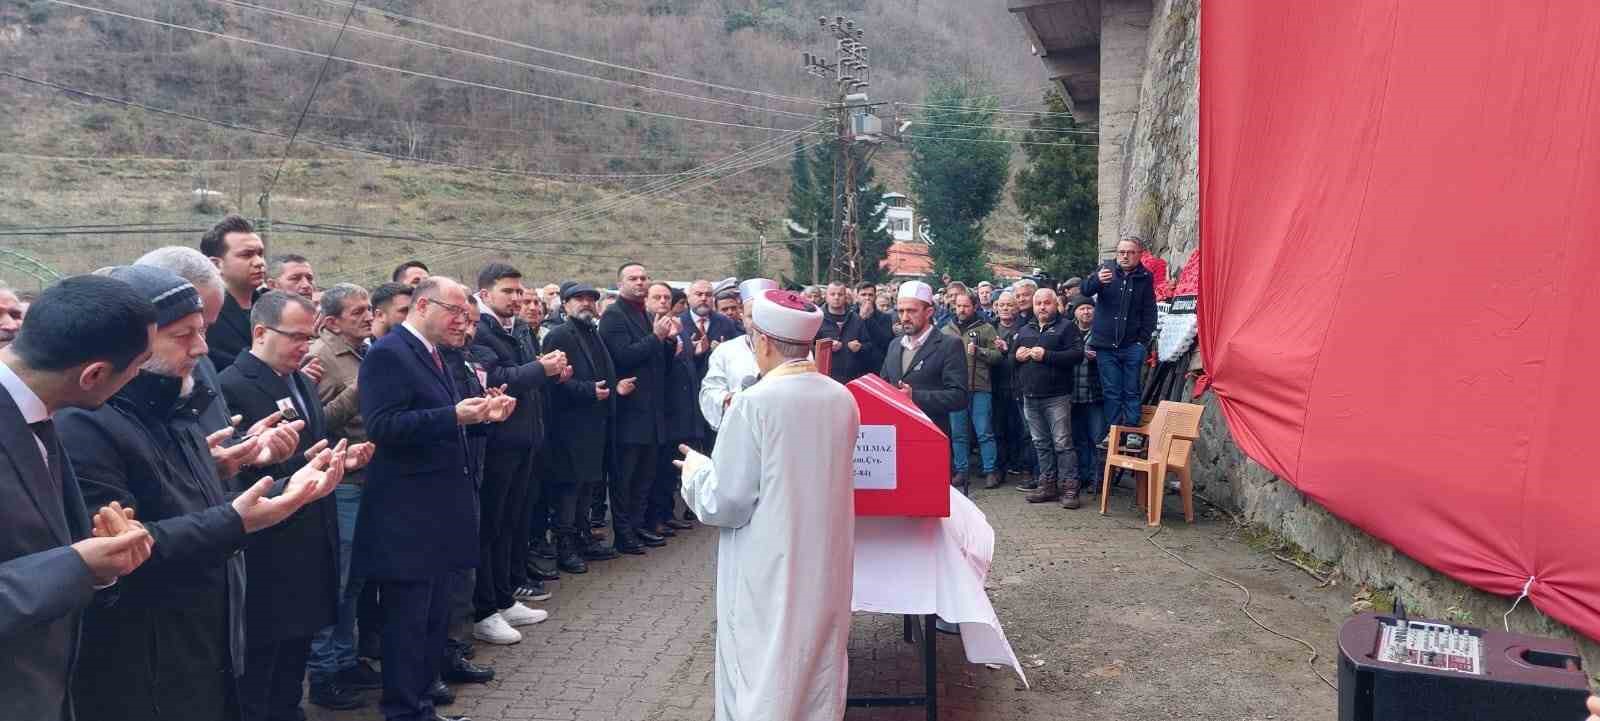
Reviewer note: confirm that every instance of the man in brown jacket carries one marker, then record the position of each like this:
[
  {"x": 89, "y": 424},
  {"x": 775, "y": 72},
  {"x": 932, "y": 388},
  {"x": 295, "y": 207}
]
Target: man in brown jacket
[{"x": 346, "y": 312}]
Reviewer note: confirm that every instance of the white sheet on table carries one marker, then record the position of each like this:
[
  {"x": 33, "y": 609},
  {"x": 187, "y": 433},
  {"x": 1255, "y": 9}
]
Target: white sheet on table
[{"x": 934, "y": 565}]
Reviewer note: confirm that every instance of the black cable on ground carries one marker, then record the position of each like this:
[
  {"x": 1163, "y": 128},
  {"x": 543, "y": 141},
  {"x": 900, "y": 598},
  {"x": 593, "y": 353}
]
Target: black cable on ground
[{"x": 1244, "y": 607}]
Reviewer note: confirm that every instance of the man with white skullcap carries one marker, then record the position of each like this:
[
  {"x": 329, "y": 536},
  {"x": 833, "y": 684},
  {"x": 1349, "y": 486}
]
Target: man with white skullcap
[
  {"x": 928, "y": 365},
  {"x": 779, "y": 484},
  {"x": 732, "y": 366}
]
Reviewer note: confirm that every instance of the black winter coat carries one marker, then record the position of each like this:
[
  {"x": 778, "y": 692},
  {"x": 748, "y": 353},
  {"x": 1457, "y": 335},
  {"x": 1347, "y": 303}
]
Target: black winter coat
[
  {"x": 638, "y": 353},
  {"x": 178, "y": 626},
  {"x": 847, "y": 364},
  {"x": 295, "y": 563},
  {"x": 1124, "y": 309},
  {"x": 1063, "y": 349},
  {"x": 580, "y": 425},
  {"x": 511, "y": 360}
]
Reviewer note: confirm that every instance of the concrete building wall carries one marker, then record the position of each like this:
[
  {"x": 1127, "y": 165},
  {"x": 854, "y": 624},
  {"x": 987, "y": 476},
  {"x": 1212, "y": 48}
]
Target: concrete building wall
[{"x": 1124, "y": 31}]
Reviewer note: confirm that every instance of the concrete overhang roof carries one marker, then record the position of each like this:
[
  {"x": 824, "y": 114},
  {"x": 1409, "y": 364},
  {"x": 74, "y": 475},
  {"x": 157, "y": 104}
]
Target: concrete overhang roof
[{"x": 1066, "y": 36}]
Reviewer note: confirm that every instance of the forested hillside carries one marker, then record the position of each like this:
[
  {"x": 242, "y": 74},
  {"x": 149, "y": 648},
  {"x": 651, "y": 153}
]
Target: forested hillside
[{"x": 460, "y": 129}]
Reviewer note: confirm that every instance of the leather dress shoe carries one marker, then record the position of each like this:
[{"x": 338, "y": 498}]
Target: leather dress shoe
[
  {"x": 632, "y": 549},
  {"x": 460, "y": 670},
  {"x": 598, "y": 552},
  {"x": 572, "y": 563},
  {"x": 464, "y": 648},
  {"x": 330, "y": 695},
  {"x": 537, "y": 570},
  {"x": 650, "y": 539},
  {"x": 439, "y": 717},
  {"x": 441, "y": 694},
  {"x": 680, "y": 525},
  {"x": 359, "y": 677},
  {"x": 663, "y": 531}
]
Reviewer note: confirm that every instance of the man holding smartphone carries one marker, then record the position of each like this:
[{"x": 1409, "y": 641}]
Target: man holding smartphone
[{"x": 1124, "y": 293}]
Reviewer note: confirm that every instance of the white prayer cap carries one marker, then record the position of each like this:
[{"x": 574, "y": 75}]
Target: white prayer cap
[
  {"x": 787, "y": 316},
  {"x": 753, "y": 288},
  {"x": 916, "y": 289}
]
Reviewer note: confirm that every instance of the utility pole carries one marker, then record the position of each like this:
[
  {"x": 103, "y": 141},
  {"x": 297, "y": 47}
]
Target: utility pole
[
  {"x": 851, "y": 71},
  {"x": 264, "y": 224}
]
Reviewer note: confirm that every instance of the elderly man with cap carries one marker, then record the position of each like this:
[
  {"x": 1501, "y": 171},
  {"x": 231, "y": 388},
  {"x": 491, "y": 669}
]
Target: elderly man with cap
[
  {"x": 581, "y": 413},
  {"x": 779, "y": 485},
  {"x": 173, "y": 642},
  {"x": 732, "y": 367},
  {"x": 927, "y": 365}
]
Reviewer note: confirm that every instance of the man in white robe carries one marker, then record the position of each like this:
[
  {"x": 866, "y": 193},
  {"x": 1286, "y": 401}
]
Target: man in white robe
[
  {"x": 732, "y": 365},
  {"x": 779, "y": 485}
]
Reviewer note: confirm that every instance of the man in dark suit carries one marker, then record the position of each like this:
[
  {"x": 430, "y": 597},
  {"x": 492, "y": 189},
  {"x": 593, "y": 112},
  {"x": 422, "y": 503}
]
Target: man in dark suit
[
  {"x": 510, "y": 487},
  {"x": 853, "y": 347},
  {"x": 417, "y": 524},
  {"x": 703, "y": 330},
  {"x": 581, "y": 425},
  {"x": 928, "y": 365},
  {"x": 683, "y": 422},
  {"x": 879, "y": 324},
  {"x": 240, "y": 255},
  {"x": 85, "y": 338},
  {"x": 173, "y": 642},
  {"x": 296, "y": 562},
  {"x": 641, "y": 348}
]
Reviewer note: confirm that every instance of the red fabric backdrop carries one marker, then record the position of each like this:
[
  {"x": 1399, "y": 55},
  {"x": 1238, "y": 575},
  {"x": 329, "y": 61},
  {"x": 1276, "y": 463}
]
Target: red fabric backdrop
[{"x": 1400, "y": 234}]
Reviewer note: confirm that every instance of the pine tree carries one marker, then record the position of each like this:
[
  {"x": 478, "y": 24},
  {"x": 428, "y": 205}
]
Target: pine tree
[
  {"x": 1057, "y": 194},
  {"x": 958, "y": 170}
]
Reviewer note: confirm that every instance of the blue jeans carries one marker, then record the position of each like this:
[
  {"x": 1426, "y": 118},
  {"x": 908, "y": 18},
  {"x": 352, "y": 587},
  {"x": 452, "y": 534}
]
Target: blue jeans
[
  {"x": 1088, "y": 427},
  {"x": 333, "y": 649},
  {"x": 979, "y": 413},
  {"x": 1050, "y": 425},
  {"x": 1119, "y": 381}
]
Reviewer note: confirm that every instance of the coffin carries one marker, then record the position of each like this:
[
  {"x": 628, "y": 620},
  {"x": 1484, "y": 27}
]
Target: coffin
[{"x": 902, "y": 460}]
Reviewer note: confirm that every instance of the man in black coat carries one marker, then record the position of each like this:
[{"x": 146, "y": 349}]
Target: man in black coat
[
  {"x": 581, "y": 424},
  {"x": 295, "y": 563},
  {"x": 640, "y": 348},
  {"x": 173, "y": 642},
  {"x": 510, "y": 489},
  {"x": 1124, "y": 294},
  {"x": 879, "y": 325},
  {"x": 684, "y": 424},
  {"x": 853, "y": 348},
  {"x": 84, "y": 339},
  {"x": 1047, "y": 352},
  {"x": 240, "y": 254},
  {"x": 418, "y": 526},
  {"x": 928, "y": 365}
]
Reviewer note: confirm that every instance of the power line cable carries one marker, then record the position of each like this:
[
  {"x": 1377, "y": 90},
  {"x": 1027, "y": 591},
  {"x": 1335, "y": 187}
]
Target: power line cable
[
  {"x": 326, "y": 143},
  {"x": 1070, "y": 131},
  {"x": 1001, "y": 140},
  {"x": 417, "y": 73},
  {"x": 398, "y": 17},
  {"x": 509, "y": 61},
  {"x": 311, "y": 96}
]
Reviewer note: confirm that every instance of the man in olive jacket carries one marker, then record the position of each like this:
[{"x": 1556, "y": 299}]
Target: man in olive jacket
[{"x": 977, "y": 338}]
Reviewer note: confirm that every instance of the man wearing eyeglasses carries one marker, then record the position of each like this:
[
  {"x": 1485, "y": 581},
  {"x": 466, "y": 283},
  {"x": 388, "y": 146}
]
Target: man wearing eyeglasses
[
  {"x": 418, "y": 508},
  {"x": 296, "y": 564},
  {"x": 1124, "y": 294}
]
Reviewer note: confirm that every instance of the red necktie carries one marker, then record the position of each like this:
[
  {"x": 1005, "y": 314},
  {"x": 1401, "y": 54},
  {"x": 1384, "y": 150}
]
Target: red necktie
[{"x": 437, "y": 361}]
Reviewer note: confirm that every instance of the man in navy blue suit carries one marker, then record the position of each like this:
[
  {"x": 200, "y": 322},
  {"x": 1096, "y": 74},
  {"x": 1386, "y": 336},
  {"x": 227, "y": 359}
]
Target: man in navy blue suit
[
  {"x": 417, "y": 524},
  {"x": 704, "y": 329}
]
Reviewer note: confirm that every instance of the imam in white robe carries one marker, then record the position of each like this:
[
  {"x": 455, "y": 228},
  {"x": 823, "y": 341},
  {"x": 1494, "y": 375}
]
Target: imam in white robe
[
  {"x": 779, "y": 485},
  {"x": 732, "y": 364}
]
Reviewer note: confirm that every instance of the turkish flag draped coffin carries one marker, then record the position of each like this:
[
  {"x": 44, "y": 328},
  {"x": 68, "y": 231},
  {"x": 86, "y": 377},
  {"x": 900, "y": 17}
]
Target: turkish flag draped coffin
[
  {"x": 1400, "y": 241},
  {"x": 902, "y": 459}
]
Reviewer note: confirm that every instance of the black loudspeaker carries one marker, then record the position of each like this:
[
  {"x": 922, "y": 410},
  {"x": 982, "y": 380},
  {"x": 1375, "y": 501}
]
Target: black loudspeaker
[{"x": 1397, "y": 669}]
